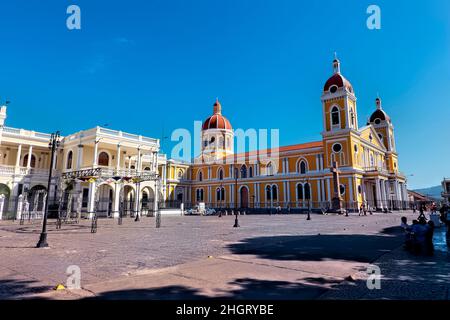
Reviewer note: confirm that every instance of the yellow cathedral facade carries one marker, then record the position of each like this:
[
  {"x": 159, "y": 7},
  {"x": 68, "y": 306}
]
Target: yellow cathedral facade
[{"x": 301, "y": 176}]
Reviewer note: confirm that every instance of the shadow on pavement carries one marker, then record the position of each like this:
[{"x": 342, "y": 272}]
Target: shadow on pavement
[
  {"x": 19, "y": 289},
  {"x": 248, "y": 289},
  {"x": 357, "y": 248}
]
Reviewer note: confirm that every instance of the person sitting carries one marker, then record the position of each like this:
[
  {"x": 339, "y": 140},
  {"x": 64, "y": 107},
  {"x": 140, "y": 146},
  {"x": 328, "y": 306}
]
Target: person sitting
[
  {"x": 429, "y": 247},
  {"x": 404, "y": 223},
  {"x": 408, "y": 237},
  {"x": 418, "y": 232}
]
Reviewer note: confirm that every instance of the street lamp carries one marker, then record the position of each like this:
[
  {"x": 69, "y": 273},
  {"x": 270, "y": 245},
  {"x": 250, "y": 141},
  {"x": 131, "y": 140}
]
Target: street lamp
[
  {"x": 158, "y": 212},
  {"x": 236, "y": 221},
  {"x": 138, "y": 193},
  {"x": 309, "y": 200},
  {"x": 236, "y": 175},
  {"x": 53, "y": 145}
]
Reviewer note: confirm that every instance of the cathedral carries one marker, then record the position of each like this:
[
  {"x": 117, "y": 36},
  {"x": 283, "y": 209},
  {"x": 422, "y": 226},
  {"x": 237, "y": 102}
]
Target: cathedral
[{"x": 302, "y": 175}]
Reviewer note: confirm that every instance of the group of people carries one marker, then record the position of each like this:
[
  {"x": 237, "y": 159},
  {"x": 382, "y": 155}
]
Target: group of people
[{"x": 419, "y": 235}]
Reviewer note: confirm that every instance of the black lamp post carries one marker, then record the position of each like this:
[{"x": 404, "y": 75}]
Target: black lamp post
[
  {"x": 236, "y": 175},
  {"x": 236, "y": 220},
  {"x": 138, "y": 192},
  {"x": 309, "y": 200},
  {"x": 53, "y": 145}
]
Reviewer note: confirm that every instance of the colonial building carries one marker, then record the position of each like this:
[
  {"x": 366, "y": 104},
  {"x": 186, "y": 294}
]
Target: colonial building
[
  {"x": 301, "y": 175},
  {"x": 97, "y": 170}
]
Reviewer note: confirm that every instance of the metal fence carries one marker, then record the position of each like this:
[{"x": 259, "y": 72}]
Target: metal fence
[{"x": 70, "y": 208}]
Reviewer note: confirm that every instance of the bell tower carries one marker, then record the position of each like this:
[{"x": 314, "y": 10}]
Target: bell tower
[{"x": 338, "y": 102}]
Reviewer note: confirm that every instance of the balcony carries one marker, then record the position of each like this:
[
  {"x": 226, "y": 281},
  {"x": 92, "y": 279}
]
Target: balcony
[
  {"x": 105, "y": 132},
  {"x": 109, "y": 172},
  {"x": 6, "y": 171},
  {"x": 379, "y": 170},
  {"x": 26, "y": 133}
]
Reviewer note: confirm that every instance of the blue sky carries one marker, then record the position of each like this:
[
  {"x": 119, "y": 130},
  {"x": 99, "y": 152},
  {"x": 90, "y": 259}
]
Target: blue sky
[{"x": 145, "y": 66}]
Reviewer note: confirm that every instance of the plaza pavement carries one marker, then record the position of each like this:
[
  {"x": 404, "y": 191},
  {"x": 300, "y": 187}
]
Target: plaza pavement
[{"x": 192, "y": 257}]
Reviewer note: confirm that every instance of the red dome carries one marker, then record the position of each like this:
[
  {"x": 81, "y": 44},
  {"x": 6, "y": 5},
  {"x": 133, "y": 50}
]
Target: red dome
[
  {"x": 217, "y": 120},
  {"x": 338, "y": 80}
]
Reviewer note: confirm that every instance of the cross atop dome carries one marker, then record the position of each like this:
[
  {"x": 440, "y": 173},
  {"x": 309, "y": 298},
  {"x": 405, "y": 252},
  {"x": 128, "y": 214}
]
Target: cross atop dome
[
  {"x": 336, "y": 64},
  {"x": 378, "y": 102},
  {"x": 217, "y": 108}
]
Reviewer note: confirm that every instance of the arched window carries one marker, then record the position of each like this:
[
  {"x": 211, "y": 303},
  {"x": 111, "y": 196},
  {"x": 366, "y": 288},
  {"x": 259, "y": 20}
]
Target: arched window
[
  {"x": 69, "y": 160},
  {"x": 300, "y": 195},
  {"x": 307, "y": 191},
  {"x": 250, "y": 172},
  {"x": 244, "y": 171},
  {"x": 32, "y": 162},
  {"x": 274, "y": 192},
  {"x": 352, "y": 118},
  {"x": 342, "y": 189},
  {"x": 302, "y": 167},
  {"x": 200, "y": 176},
  {"x": 147, "y": 169},
  {"x": 335, "y": 116},
  {"x": 199, "y": 194},
  {"x": 220, "y": 194},
  {"x": 268, "y": 193},
  {"x": 220, "y": 174},
  {"x": 103, "y": 159},
  {"x": 180, "y": 174}
]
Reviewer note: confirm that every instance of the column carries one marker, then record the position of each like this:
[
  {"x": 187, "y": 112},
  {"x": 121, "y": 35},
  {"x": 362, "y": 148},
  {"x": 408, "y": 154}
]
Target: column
[
  {"x": 155, "y": 162},
  {"x": 288, "y": 190},
  {"x": 397, "y": 195},
  {"x": 164, "y": 181},
  {"x": 118, "y": 158},
  {"x": 328, "y": 191},
  {"x": 319, "y": 193},
  {"x": 350, "y": 190},
  {"x": 364, "y": 195},
  {"x": 116, "y": 205},
  {"x": 405, "y": 195},
  {"x": 139, "y": 161},
  {"x": 137, "y": 199},
  {"x": 79, "y": 156},
  {"x": 30, "y": 152},
  {"x": 384, "y": 194},
  {"x": 91, "y": 200},
  {"x": 19, "y": 154},
  {"x": 256, "y": 194},
  {"x": 378, "y": 192},
  {"x": 2, "y": 203},
  {"x": 95, "y": 163},
  {"x": 156, "y": 199}
]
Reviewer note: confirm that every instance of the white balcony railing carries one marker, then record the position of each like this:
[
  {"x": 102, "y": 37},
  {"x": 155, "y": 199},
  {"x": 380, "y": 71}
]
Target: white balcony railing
[
  {"x": 6, "y": 170},
  {"x": 11, "y": 170},
  {"x": 26, "y": 133}
]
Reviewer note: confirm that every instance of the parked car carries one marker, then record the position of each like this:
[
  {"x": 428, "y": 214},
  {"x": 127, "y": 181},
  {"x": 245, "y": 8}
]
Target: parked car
[{"x": 210, "y": 212}]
